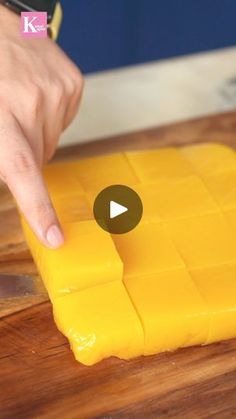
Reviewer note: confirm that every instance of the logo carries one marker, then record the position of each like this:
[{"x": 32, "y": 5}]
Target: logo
[{"x": 33, "y": 24}]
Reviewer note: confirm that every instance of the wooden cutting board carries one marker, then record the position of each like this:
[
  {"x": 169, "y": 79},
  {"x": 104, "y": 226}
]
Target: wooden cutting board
[{"x": 39, "y": 377}]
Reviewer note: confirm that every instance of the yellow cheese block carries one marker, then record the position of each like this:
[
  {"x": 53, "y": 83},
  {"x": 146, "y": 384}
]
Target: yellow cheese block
[
  {"x": 203, "y": 241},
  {"x": 217, "y": 286},
  {"x": 222, "y": 186},
  {"x": 172, "y": 310},
  {"x": 148, "y": 195},
  {"x": 208, "y": 159},
  {"x": 62, "y": 179},
  {"x": 147, "y": 249},
  {"x": 72, "y": 207},
  {"x": 87, "y": 259},
  {"x": 230, "y": 216},
  {"x": 170, "y": 282},
  {"x": 176, "y": 198},
  {"x": 100, "y": 322},
  {"x": 97, "y": 173},
  {"x": 163, "y": 163}
]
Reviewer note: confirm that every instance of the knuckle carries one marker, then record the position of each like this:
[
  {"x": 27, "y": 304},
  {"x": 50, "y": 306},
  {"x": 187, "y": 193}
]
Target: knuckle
[
  {"x": 22, "y": 163},
  {"x": 79, "y": 80},
  {"x": 44, "y": 211},
  {"x": 58, "y": 91},
  {"x": 35, "y": 100},
  {"x": 75, "y": 82},
  {"x": 50, "y": 147},
  {"x": 70, "y": 87},
  {"x": 35, "y": 93}
]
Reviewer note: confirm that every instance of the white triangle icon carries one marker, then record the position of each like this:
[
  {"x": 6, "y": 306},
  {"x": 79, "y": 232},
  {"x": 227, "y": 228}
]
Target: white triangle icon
[{"x": 116, "y": 209}]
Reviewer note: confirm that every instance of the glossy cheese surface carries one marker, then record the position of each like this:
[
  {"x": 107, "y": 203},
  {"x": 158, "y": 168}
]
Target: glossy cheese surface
[
  {"x": 147, "y": 249},
  {"x": 87, "y": 247},
  {"x": 167, "y": 284},
  {"x": 217, "y": 286},
  {"x": 203, "y": 241},
  {"x": 100, "y": 322},
  {"x": 175, "y": 198},
  {"x": 173, "y": 312}
]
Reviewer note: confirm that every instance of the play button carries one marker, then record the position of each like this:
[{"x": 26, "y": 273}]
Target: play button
[{"x": 118, "y": 209}]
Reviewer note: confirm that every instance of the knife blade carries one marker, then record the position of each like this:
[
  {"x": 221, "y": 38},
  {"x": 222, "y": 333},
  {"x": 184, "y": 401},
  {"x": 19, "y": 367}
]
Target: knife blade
[{"x": 18, "y": 286}]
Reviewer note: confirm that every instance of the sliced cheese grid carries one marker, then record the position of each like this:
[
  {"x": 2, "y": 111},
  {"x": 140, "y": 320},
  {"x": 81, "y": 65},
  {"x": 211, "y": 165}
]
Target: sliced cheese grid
[
  {"x": 217, "y": 286},
  {"x": 153, "y": 165},
  {"x": 173, "y": 312},
  {"x": 176, "y": 198},
  {"x": 100, "y": 322},
  {"x": 94, "y": 174},
  {"x": 169, "y": 283},
  {"x": 147, "y": 250},
  {"x": 87, "y": 247}
]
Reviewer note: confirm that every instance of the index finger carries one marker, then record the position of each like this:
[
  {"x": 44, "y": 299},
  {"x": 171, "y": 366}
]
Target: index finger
[{"x": 24, "y": 179}]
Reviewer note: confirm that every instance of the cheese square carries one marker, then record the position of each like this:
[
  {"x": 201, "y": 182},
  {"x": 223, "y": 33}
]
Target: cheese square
[
  {"x": 222, "y": 187},
  {"x": 87, "y": 258},
  {"x": 210, "y": 158},
  {"x": 148, "y": 195},
  {"x": 171, "y": 309},
  {"x": 151, "y": 165},
  {"x": 72, "y": 208},
  {"x": 217, "y": 285},
  {"x": 147, "y": 249},
  {"x": 203, "y": 241},
  {"x": 100, "y": 322},
  {"x": 230, "y": 216},
  {"x": 61, "y": 179},
  {"x": 176, "y": 198},
  {"x": 98, "y": 173}
]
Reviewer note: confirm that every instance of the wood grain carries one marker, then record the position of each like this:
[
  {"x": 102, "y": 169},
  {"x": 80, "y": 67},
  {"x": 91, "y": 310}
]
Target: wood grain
[{"x": 38, "y": 375}]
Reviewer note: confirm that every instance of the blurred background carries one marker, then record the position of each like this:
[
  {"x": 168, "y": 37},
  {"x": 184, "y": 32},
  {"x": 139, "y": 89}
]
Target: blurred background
[
  {"x": 164, "y": 60},
  {"x": 106, "y": 34}
]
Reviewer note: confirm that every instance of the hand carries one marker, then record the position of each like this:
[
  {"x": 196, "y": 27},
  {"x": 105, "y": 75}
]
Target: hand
[{"x": 40, "y": 90}]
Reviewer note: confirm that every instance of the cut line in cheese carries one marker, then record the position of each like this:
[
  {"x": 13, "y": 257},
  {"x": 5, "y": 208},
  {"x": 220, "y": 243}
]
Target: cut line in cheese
[{"x": 167, "y": 284}]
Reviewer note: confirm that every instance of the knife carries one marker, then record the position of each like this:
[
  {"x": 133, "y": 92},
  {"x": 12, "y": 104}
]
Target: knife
[{"x": 18, "y": 286}]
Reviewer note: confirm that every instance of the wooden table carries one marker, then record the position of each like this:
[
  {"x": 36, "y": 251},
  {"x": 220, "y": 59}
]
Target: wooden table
[{"x": 39, "y": 377}]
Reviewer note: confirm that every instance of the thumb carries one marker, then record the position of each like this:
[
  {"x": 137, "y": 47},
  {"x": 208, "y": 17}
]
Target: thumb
[{"x": 20, "y": 171}]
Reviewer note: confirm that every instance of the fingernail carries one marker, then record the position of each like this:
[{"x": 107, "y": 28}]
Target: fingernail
[{"x": 55, "y": 237}]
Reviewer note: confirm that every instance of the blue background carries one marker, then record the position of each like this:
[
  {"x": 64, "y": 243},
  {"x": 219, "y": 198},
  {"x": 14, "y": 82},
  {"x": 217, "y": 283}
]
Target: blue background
[{"x": 104, "y": 34}]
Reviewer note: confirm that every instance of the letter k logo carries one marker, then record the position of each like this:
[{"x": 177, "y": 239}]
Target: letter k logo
[
  {"x": 28, "y": 24},
  {"x": 33, "y": 24}
]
